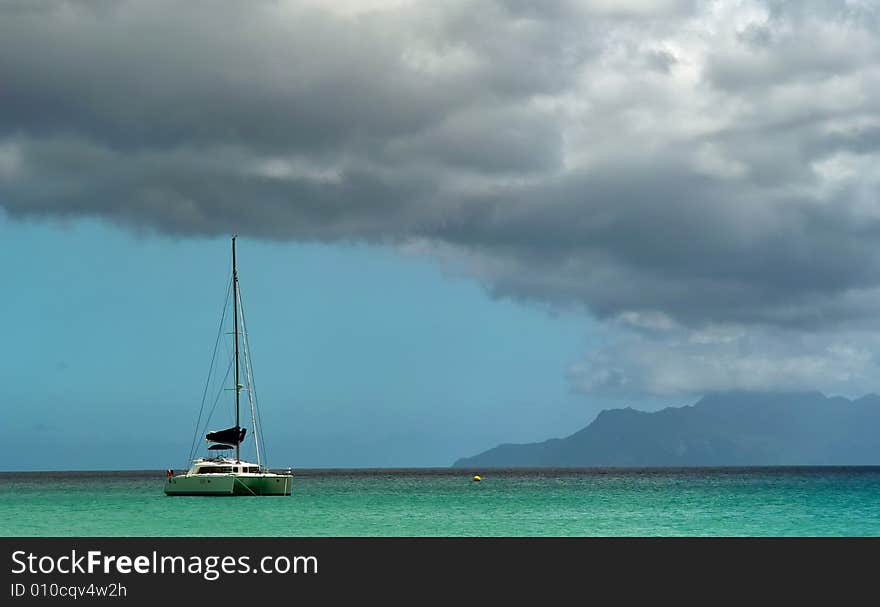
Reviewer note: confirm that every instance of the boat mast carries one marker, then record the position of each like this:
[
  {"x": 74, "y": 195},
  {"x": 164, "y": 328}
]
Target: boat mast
[{"x": 235, "y": 332}]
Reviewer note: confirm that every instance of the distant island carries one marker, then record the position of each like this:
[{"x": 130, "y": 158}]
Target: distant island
[{"x": 725, "y": 429}]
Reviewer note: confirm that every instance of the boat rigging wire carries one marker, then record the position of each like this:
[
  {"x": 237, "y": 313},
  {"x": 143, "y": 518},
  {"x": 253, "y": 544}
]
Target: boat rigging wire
[
  {"x": 210, "y": 370},
  {"x": 220, "y": 391},
  {"x": 259, "y": 436}
]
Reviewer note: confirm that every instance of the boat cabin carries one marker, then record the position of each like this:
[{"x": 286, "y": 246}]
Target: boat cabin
[{"x": 223, "y": 465}]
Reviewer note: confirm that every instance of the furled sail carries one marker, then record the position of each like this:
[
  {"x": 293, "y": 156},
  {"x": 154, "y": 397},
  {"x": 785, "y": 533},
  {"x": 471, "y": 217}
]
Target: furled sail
[{"x": 230, "y": 436}]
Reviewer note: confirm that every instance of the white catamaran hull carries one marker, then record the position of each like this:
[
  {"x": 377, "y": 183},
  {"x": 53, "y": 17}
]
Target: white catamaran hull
[{"x": 228, "y": 484}]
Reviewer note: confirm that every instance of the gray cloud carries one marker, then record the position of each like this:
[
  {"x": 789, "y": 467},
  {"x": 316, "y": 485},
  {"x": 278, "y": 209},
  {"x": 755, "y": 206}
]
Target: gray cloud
[{"x": 709, "y": 163}]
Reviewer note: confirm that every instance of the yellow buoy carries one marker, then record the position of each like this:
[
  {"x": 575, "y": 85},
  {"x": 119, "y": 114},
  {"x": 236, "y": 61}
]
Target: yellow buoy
[{"x": 477, "y": 478}]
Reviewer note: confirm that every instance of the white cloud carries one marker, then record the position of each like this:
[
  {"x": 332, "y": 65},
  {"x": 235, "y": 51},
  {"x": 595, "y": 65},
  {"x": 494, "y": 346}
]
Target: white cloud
[{"x": 728, "y": 358}]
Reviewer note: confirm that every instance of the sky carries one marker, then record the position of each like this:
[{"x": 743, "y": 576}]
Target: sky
[{"x": 463, "y": 223}]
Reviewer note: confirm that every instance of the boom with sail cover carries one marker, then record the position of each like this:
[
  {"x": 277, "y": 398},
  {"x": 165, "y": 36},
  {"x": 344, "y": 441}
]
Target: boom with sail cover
[{"x": 230, "y": 436}]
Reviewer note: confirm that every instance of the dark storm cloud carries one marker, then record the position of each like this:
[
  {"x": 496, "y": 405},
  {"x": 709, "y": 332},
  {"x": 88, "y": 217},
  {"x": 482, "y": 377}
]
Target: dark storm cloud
[
  {"x": 698, "y": 162},
  {"x": 266, "y": 76}
]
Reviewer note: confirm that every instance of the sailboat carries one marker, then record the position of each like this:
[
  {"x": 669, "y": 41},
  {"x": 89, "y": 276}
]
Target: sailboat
[{"x": 219, "y": 473}]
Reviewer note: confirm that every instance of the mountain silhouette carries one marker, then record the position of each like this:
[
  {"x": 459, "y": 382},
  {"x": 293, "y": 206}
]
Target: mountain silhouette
[{"x": 724, "y": 429}]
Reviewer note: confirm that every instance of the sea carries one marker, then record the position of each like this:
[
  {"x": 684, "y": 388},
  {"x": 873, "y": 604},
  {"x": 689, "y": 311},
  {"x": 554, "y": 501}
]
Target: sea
[{"x": 787, "y": 501}]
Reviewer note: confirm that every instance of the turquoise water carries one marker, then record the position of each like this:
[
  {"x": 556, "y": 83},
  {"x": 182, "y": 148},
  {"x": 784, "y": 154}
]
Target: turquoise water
[{"x": 445, "y": 502}]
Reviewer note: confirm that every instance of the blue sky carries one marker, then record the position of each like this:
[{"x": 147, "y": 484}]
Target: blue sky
[{"x": 362, "y": 356}]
